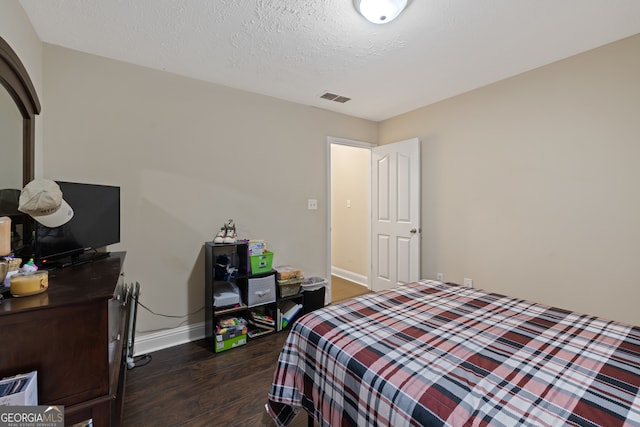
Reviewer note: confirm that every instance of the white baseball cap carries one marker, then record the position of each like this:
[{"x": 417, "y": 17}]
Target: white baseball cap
[{"x": 42, "y": 200}]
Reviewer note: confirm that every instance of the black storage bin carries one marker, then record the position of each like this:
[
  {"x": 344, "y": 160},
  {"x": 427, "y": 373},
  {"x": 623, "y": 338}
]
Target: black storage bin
[{"x": 313, "y": 300}]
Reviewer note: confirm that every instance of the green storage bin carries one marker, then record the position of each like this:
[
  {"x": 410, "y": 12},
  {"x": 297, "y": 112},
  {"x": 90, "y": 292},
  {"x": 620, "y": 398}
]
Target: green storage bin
[
  {"x": 228, "y": 341},
  {"x": 261, "y": 263}
]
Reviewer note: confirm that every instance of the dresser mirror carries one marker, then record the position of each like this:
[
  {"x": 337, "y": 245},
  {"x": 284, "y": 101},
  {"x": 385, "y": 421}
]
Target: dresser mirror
[{"x": 18, "y": 106}]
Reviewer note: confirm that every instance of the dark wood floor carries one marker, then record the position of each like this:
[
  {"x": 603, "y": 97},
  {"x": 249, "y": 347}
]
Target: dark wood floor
[{"x": 188, "y": 385}]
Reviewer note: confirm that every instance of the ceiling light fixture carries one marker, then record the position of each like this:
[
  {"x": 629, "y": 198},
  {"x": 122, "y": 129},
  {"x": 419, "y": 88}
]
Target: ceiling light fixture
[{"x": 380, "y": 11}]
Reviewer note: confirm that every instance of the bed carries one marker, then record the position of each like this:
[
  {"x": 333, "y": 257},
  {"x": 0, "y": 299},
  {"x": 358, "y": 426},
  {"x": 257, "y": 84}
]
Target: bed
[{"x": 430, "y": 354}]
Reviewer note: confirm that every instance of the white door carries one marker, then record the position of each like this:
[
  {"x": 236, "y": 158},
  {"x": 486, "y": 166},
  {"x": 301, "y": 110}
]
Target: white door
[{"x": 395, "y": 205}]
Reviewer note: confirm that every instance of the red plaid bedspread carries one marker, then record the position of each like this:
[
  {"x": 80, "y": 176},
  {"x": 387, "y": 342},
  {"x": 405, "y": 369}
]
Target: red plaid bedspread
[{"x": 429, "y": 354}]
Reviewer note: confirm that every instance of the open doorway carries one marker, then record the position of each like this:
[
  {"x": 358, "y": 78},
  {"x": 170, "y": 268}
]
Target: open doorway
[{"x": 349, "y": 224}]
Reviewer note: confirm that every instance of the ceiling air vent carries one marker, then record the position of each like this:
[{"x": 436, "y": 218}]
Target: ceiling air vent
[{"x": 333, "y": 97}]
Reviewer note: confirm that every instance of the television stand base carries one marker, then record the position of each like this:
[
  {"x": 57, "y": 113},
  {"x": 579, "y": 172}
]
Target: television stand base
[
  {"x": 85, "y": 258},
  {"x": 74, "y": 260}
]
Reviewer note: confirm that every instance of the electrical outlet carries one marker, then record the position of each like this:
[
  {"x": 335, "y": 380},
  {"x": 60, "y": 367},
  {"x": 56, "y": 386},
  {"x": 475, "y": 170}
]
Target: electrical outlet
[
  {"x": 312, "y": 204},
  {"x": 468, "y": 282},
  {"x": 440, "y": 277}
]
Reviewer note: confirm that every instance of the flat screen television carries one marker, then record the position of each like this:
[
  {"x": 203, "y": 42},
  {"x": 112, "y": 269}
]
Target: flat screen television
[{"x": 95, "y": 224}]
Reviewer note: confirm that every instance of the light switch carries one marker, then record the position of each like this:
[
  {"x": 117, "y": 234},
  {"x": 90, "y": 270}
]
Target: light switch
[
  {"x": 348, "y": 203},
  {"x": 312, "y": 204}
]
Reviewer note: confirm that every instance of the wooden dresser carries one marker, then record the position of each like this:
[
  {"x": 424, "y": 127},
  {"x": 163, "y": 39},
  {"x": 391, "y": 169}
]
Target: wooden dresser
[{"x": 73, "y": 335}]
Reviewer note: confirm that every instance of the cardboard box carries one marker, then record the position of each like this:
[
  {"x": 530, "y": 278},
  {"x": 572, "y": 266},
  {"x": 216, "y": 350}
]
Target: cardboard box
[
  {"x": 286, "y": 272},
  {"x": 257, "y": 247},
  {"x": 28, "y": 390},
  {"x": 231, "y": 340}
]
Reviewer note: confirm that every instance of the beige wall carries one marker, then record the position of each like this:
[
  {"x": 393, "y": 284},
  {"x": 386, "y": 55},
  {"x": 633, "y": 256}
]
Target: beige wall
[
  {"x": 350, "y": 171},
  {"x": 531, "y": 185},
  {"x": 17, "y": 31},
  {"x": 188, "y": 155}
]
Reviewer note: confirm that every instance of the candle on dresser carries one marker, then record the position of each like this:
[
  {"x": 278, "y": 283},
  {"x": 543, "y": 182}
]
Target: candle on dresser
[{"x": 5, "y": 235}]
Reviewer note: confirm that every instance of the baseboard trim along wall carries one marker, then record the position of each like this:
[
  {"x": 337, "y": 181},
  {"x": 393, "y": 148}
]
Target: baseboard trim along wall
[
  {"x": 169, "y": 338},
  {"x": 351, "y": 276}
]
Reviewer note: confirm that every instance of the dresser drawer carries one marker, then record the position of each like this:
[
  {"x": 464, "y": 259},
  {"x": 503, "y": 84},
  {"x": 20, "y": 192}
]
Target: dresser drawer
[{"x": 261, "y": 290}]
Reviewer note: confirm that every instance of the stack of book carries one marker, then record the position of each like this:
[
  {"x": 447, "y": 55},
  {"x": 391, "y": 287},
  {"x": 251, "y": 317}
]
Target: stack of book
[
  {"x": 260, "y": 324},
  {"x": 288, "y": 311}
]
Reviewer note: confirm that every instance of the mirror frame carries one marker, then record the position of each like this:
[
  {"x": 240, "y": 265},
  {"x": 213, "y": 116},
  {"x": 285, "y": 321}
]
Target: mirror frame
[{"x": 15, "y": 79}]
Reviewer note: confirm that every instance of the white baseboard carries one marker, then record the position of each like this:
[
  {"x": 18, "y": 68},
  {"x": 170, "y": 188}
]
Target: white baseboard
[
  {"x": 169, "y": 338},
  {"x": 351, "y": 276}
]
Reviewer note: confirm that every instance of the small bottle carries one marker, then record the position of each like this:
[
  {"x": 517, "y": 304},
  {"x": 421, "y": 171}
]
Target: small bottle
[
  {"x": 5, "y": 235},
  {"x": 29, "y": 268}
]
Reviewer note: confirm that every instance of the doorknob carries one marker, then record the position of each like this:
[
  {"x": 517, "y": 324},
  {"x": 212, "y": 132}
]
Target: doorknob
[{"x": 413, "y": 231}]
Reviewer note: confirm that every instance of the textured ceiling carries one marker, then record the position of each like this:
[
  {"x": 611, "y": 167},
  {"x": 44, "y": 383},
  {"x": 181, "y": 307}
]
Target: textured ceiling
[{"x": 298, "y": 49}]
